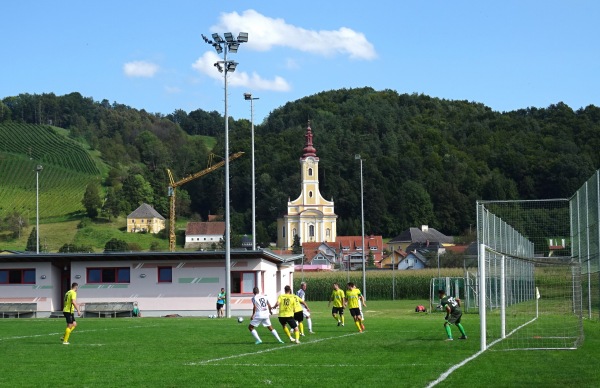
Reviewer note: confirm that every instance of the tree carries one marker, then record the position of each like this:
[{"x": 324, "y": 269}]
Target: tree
[
  {"x": 116, "y": 245},
  {"x": 91, "y": 200},
  {"x": 14, "y": 222},
  {"x": 32, "y": 241},
  {"x": 296, "y": 247},
  {"x": 136, "y": 191}
]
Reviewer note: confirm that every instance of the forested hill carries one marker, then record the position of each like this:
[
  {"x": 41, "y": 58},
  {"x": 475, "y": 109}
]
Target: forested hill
[{"x": 426, "y": 160}]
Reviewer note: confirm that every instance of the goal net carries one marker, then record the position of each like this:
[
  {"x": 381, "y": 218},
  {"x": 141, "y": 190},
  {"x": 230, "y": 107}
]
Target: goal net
[{"x": 529, "y": 294}]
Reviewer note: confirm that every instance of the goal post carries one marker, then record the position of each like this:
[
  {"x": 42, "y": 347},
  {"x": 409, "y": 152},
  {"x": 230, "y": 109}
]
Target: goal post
[{"x": 528, "y": 303}]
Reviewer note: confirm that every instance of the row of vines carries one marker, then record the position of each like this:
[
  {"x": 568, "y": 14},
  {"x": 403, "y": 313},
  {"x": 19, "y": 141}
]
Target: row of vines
[{"x": 43, "y": 144}]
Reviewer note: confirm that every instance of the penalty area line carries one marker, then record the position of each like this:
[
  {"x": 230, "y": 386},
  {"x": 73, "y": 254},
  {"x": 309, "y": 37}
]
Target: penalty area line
[{"x": 205, "y": 362}]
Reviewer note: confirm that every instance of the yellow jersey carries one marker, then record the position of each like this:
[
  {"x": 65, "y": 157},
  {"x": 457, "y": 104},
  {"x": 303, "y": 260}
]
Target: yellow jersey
[
  {"x": 287, "y": 304},
  {"x": 70, "y": 296},
  {"x": 337, "y": 296},
  {"x": 352, "y": 297},
  {"x": 298, "y": 306}
]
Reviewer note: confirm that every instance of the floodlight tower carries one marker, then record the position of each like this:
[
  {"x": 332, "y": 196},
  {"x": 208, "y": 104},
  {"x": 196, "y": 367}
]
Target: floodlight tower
[
  {"x": 223, "y": 46},
  {"x": 248, "y": 97}
]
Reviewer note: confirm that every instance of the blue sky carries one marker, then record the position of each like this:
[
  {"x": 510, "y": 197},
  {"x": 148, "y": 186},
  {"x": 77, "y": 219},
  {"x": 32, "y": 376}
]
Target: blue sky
[{"x": 150, "y": 55}]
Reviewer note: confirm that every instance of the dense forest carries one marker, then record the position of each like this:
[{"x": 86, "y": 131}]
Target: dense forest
[{"x": 425, "y": 160}]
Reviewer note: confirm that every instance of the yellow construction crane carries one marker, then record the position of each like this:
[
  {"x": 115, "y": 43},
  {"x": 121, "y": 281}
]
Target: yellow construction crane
[{"x": 173, "y": 186}]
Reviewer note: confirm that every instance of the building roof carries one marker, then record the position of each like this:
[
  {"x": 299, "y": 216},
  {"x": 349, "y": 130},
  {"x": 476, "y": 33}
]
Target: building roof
[
  {"x": 205, "y": 228},
  {"x": 422, "y": 235},
  {"x": 355, "y": 242},
  {"x": 145, "y": 211}
]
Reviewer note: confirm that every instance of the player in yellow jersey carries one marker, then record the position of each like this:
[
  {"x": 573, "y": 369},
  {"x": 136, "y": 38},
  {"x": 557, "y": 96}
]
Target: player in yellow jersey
[
  {"x": 287, "y": 303},
  {"x": 353, "y": 296},
  {"x": 337, "y": 297},
  {"x": 69, "y": 308}
]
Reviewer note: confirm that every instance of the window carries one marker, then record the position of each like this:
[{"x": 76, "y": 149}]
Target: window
[
  {"x": 310, "y": 172},
  {"x": 373, "y": 248},
  {"x": 311, "y": 230},
  {"x": 242, "y": 282},
  {"x": 165, "y": 274},
  {"x": 283, "y": 232},
  {"x": 327, "y": 232},
  {"x": 108, "y": 275},
  {"x": 310, "y": 194},
  {"x": 17, "y": 276}
]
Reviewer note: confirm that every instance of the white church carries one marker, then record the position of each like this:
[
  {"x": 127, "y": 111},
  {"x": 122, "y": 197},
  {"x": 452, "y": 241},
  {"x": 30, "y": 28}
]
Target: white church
[{"x": 309, "y": 216}]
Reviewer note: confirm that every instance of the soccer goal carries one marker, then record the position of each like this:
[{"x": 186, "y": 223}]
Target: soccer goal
[{"x": 529, "y": 303}]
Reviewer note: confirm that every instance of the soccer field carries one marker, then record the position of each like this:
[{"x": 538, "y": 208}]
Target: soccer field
[{"x": 400, "y": 348}]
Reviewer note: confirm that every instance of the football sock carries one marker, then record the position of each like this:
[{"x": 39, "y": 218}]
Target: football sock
[
  {"x": 341, "y": 316},
  {"x": 287, "y": 331},
  {"x": 67, "y": 334},
  {"x": 357, "y": 323},
  {"x": 255, "y": 334},
  {"x": 275, "y": 334},
  {"x": 301, "y": 327},
  {"x": 448, "y": 330},
  {"x": 297, "y": 335},
  {"x": 309, "y": 321},
  {"x": 335, "y": 317},
  {"x": 462, "y": 329}
]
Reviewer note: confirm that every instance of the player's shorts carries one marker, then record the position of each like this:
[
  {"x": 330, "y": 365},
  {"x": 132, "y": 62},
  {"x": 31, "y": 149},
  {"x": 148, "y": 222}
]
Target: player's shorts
[
  {"x": 355, "y": 312},
  {"x": 337, "y": 310},
  {"x": 288, "y": 320},
  {"x": 299, "y": 316},
  {"x": 70, "y": 317},
  {"x": 220, "y": 305},
  {"x": 305, "y": 312},
  {"x": 454, "y": 317},
  {"x": 266, "y": 322}
]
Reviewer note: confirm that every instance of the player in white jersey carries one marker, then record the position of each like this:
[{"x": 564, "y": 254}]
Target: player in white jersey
[
  {"x": 302, "y": 295},
  {"x": 261, "y": 311}
]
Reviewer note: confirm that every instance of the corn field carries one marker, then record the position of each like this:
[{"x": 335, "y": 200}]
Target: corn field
[{"x": 381, "y": 284}]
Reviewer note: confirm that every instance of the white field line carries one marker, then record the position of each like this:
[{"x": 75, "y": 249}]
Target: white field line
[
  {"x": 205, "y": 362},
  {"x": 77, "y": 331},
  {"x": 323, "y": 366}
]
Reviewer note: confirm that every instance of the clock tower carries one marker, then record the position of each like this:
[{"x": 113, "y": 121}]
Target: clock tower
[{"x": 309, "y": 216}]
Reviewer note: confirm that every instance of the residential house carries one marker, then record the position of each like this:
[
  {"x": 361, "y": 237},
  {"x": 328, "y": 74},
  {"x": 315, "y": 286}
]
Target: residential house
[
  {"x": 317, "y": 257},
  {"x": 418, "y": 235},
  {"x": 413, "y": 260},
  {"x": 204, "y": 235},
  {"x": 351, "y": 254},
  {"x": 145, "y": 219}
]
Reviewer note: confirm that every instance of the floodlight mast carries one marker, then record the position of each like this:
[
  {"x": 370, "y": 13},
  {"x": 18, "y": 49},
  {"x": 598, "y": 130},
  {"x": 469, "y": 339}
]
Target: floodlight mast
[
  {"x": 225, "y": 66},
  {"x": 248, "y": 97}
]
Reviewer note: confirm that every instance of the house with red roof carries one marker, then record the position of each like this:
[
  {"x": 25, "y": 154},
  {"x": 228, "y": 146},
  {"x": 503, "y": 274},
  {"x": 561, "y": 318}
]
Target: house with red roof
[{"x": 204, "y": 235}]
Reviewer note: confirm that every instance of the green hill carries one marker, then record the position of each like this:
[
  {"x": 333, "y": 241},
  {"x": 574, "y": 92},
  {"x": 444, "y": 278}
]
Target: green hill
[{"x": 67, "y": 169}]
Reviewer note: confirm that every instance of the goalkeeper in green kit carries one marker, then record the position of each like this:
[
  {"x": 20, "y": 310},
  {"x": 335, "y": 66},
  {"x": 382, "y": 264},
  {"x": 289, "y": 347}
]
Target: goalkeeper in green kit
[{"x": 453, "y": 314}]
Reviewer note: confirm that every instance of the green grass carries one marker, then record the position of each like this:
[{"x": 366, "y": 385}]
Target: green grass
[{"x": 399, "y": 348}]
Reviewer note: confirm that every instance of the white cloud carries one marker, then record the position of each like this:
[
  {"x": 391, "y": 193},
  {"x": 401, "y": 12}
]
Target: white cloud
[
  {"x": 140, "y": 69},
  {"x": 206, "y": 65},
  {"x": 265, "y": 33}
]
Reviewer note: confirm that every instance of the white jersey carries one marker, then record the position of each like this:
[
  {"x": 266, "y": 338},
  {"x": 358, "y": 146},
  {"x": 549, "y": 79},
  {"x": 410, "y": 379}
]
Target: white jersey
[
  {"x": 261, "y": 305},
  {"x": 301, "y": 294}
]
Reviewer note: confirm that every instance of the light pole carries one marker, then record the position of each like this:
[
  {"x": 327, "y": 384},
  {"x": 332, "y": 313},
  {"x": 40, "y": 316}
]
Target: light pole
[
  {"x": 229, "y": 44},
  {"x": 248, "y": 97},
  {"x": 362, "y": 216},
  {"x": 38, "y": 169}
]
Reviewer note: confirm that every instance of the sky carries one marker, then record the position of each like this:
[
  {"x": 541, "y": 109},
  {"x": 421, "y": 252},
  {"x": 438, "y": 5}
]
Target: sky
[{"x": 150, "y": 54}]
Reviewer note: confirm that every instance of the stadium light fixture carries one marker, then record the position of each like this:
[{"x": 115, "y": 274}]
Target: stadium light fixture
[
  {"x": 248, "y": 97},
  {"x": 225, "y": 66}
]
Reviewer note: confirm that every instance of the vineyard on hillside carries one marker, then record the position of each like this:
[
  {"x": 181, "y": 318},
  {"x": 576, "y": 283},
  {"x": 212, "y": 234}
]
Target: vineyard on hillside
[{"x": 67, "y": 169}]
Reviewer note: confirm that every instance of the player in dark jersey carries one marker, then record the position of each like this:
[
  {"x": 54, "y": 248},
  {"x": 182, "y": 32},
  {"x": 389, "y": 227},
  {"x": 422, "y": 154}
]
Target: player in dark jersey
[{"x": 453, "y": 314}]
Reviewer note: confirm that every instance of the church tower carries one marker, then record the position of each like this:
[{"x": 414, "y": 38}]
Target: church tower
[{"x": 309, "y": 216}]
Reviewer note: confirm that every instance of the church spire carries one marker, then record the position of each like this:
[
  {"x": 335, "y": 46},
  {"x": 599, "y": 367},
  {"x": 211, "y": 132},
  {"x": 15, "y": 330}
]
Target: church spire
[{"x": 309, "y": 150}]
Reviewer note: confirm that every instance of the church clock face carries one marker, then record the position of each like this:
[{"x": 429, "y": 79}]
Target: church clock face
[{"x": 310, "y": 161}]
